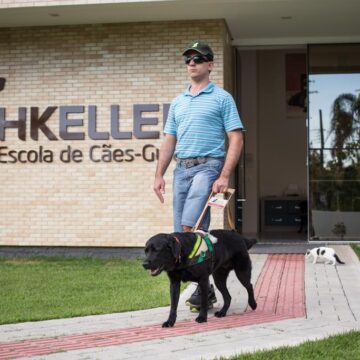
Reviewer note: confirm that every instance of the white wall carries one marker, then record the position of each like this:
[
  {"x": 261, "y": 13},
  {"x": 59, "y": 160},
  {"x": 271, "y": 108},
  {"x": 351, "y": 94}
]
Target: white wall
[{"x": 324, "y": 223}]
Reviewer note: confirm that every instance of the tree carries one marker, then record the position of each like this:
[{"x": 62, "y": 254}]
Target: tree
[{"x": 345, "y": 125}]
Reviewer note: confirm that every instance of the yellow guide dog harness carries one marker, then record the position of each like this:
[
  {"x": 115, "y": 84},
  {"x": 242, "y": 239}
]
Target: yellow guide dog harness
[{"x": 203, "y": 250}]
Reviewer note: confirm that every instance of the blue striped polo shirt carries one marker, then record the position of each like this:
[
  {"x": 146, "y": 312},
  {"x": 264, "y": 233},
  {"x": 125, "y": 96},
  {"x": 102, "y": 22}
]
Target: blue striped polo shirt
[{"x": 200, "y": 121}]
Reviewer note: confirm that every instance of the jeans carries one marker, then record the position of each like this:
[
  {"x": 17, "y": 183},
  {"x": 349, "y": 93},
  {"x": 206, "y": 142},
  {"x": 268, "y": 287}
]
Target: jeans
[{"x": 191, "y": 189}]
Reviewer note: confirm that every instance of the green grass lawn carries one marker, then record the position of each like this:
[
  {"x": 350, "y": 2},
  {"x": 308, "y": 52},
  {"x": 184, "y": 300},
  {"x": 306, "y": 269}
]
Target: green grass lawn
[
  {"x": 345, "y": 347},
  {"x": 48, "y": 288},
  {"x": 356, "y": 248}
]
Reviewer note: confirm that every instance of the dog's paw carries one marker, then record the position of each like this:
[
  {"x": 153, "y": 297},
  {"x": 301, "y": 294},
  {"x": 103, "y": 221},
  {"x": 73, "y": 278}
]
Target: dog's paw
[
  {"x": 220, "y": 314},
  {"x": 168, "y": 324},
  {"x": 201, "y": 319}
]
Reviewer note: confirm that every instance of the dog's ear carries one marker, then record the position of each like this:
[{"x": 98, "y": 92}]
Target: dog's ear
[{"x": 175, "y": 247}]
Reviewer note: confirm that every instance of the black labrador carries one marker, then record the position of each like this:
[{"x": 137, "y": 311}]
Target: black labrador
[{"x": 170, "y": 252}]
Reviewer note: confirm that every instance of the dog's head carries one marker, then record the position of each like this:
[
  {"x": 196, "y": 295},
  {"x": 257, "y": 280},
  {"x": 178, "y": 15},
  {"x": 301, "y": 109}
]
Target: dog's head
[
  {"x": 162, "y": 252},
  {"x": 307, "y": 254}
]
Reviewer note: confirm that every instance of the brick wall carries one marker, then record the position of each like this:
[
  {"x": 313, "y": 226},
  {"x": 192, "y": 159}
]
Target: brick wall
[{"x": 91, "y": 203}]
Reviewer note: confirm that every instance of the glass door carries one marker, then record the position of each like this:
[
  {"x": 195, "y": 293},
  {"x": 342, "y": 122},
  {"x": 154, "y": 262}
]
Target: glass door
[{"x": 334, "y": 142}]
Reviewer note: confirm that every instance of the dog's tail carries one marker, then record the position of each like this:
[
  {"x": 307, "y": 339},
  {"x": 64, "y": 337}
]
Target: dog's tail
[
  {"x": 250, "y": 243},
  {"x": 338, "y": 259}
]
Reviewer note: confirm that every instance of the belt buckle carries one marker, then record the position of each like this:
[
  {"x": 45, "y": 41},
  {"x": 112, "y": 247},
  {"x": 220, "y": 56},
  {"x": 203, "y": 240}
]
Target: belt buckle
[
  {"x": 201, "y": 160},
  {"x": 189, "y": 163}
]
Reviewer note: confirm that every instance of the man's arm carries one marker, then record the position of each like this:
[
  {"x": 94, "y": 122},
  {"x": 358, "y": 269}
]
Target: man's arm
[
  {"x": 166, "y": 153},
  {"x": 236, "y": 143}
]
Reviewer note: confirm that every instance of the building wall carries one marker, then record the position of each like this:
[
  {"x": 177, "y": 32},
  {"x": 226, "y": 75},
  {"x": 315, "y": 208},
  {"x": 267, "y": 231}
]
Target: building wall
[
  {"x": 104, "y": 201},
  {"x": 282, "y": 137},
  {"x": 248, "y": 102},
  {"x": 275, "y": 141}
]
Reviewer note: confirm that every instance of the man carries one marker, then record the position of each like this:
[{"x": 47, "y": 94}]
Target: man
[{"x": 195, "y": 132}]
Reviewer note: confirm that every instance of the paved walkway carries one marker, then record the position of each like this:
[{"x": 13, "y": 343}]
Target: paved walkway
[{"x": 297, "y": 301}]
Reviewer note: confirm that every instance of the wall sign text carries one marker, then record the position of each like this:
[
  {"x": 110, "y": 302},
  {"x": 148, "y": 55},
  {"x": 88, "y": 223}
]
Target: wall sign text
[{"x": 71, "y": 129}]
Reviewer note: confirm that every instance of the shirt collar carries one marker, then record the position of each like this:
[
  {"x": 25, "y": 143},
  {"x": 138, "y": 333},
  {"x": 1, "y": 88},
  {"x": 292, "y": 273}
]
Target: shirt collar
[{"x": 208, "y": 89}]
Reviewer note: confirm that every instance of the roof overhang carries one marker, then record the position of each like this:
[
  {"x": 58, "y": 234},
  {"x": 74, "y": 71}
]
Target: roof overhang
[{"x": 250, "y": 22}]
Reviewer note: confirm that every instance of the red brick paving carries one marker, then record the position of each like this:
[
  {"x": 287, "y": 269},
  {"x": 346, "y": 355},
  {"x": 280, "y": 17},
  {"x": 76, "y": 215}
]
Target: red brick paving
[{"x": 279, "y": 292}]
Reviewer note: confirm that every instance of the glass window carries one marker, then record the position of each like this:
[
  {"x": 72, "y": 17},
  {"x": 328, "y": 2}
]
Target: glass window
[{"x": 334, "y": 141}]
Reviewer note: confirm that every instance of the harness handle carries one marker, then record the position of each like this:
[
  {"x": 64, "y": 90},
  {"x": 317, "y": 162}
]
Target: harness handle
[
  {"x": 228, "y": 195},
  {"x": 230, "y": 217}
]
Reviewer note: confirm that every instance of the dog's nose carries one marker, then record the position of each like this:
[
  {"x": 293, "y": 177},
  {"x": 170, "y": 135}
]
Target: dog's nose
[{"x": 146, "y": 265}]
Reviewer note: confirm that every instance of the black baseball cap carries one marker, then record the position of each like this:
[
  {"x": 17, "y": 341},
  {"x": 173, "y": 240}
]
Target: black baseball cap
[{"x": 201, "y": 47}]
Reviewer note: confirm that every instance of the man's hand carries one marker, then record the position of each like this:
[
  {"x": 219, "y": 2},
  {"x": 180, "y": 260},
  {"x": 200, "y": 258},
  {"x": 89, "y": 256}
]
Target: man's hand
[
  {"x": 221, "y": 185},
  {"x": 165, "y": 156},
  {"x": 159, "y": 187}
]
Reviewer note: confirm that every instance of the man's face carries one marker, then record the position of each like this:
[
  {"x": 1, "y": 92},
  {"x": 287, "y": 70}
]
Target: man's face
[{"x": 198, "y": 71}]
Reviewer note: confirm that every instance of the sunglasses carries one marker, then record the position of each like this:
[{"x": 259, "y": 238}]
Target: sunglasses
[{"x": 198, "y": 59}]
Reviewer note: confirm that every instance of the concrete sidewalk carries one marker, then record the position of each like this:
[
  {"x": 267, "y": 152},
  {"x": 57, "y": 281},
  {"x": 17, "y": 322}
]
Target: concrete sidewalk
[{"x": 297, "y": 301}]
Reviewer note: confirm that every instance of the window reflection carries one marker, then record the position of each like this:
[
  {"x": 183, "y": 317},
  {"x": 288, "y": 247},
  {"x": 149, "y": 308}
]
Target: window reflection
[
  {"x": 334, "y": 188},
  {"x": 334, "y": 141},
  {"x": 334, "y": 105}
]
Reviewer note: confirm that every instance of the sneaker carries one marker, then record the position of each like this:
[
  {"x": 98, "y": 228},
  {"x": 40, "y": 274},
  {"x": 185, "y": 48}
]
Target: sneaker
[
  {"x": 212, "y": 298},
  {"x": 195, "y": 298}
]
